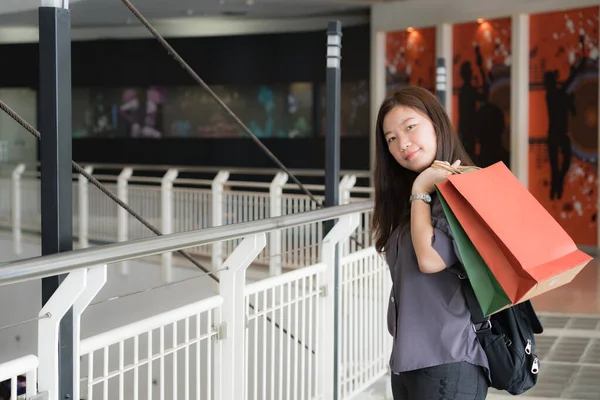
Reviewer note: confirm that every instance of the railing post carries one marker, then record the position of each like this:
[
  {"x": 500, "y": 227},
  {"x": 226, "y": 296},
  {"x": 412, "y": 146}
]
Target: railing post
[
  {"x": 84, "y": 208},
  {"x": 122, "y": 215},
  {"x": 347, "y": 183},
  {"x": 233, "y": 326},
  {"x": 167, "y": 220},
  {"x": 217, "y": 215},
  {"x": 54, "y": 107},
  {"x": 96, "y": 279},
  {"x": 31, "y": 376},
  {"x": 329, "y": 358},
  {"x": 16, "y": 208},
  {"x": 275, "y": 193},
  {"x": 48, "y": 345}
]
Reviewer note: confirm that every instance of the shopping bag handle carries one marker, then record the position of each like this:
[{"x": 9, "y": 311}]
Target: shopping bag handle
[{"x": 454, "y": 170}]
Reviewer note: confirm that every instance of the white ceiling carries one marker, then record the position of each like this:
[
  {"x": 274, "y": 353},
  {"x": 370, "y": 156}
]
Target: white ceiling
[{"x": 90, "y": 13}]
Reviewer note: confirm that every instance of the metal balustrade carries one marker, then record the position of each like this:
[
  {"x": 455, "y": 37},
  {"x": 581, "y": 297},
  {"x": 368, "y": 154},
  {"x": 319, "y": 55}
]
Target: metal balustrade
[
  {"x": 272, "y": 337},
  {"x": 180, "y": 343},
  {"x": 365, "y": 286},
  {"x": 21, "y": 366},
  {"x": 287, "y": 318},
  {"x": 280, "y": 365},
  {"x": 181, "y": 204}
]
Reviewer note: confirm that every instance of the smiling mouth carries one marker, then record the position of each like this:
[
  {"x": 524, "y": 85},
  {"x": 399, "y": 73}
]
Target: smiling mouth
[{"x": 411, "y": 155}]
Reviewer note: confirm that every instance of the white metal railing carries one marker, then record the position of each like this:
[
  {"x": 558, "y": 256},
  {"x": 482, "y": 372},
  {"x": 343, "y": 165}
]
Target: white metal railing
[
  {"x": 365, "y": 287},
  {"x": 178, "y": 205},
  {"x": 6, "y": 200},
  {"x": 273, "y": 336},
  {"x": 283, "y": 324},
  {"x": 185, "y": 343},
  {"x": 211, "y": 170},
  {"x": 24, "y": 366}
]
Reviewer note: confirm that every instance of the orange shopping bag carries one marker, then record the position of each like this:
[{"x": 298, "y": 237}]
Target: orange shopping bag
[{"x": 524, "y": 247}]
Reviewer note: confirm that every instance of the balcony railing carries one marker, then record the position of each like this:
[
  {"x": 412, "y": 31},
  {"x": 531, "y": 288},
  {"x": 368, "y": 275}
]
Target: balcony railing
[{"x": 273, "y": 337}]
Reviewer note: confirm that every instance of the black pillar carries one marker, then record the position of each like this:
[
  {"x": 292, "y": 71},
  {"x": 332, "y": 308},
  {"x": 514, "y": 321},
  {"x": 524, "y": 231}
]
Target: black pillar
[
  {"x": 332, "y": 162},
  {"x": 441, "y": 81},
  {"x": 333, "y": 93},
  {"x": 55, "y": 127}
]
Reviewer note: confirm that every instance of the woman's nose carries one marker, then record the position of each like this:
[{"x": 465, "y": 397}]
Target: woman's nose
[{"x": 404, "y": 144}]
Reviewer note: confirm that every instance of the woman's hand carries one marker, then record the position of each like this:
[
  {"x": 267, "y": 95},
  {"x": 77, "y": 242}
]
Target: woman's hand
[{"x": 426, "y": 179}]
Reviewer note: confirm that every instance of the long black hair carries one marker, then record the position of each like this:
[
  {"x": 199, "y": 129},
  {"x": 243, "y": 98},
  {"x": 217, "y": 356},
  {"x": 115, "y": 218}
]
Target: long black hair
[{"x": 393, "y": 183}]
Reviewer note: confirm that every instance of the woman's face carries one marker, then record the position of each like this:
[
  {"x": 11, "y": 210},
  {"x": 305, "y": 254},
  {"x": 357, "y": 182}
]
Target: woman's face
[{"x": 410, "y": 137}]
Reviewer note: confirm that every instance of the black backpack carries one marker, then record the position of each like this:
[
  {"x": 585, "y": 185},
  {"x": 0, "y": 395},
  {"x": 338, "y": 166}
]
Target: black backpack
[{"x": 507, "y": 338}]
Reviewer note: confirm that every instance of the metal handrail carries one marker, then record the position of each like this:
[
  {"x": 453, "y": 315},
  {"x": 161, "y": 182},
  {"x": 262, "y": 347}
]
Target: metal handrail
[
  {"x": 61, "y": 263},
  {"x": 233, "y": 170},
  {"x": 306, "y": 172}
]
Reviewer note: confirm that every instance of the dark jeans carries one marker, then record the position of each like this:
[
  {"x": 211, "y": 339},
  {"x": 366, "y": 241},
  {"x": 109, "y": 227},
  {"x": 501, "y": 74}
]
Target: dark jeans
[{"x": 458, "y": 381}]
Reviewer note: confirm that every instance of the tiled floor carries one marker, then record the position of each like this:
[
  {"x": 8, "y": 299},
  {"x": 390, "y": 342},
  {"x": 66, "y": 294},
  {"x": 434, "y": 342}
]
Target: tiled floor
[{"x": 569, "y": 349}]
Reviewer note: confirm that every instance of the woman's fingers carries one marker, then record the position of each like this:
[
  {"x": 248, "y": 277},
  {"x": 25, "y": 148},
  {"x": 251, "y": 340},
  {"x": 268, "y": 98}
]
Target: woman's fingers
[{"x": 456, "y": 164}]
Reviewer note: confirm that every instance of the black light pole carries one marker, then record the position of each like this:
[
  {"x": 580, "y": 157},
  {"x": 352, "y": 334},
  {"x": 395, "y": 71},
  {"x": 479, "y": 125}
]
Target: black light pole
[
  {"x": 332, "y": 160},
  {"x": 332, "y": 136},
  {"x": 440, "y": 81},
  {"x": 55, "y": 154}
]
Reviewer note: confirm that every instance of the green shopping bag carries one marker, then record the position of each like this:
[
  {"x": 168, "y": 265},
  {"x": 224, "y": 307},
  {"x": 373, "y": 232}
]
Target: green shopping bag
[{"x": 490, "y": 295}]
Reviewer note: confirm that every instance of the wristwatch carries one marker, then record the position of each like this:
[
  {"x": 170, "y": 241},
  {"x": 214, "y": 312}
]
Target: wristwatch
[{"x": 425, "y": 197}]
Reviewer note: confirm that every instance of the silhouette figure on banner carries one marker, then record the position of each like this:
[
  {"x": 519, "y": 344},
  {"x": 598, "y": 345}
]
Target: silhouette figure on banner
[
  {"x": 489, "y": 127},
  {"x": 560, "y": 103},
  {"x": 480, "y": 120},
  {"x": 468, "y": 97}
]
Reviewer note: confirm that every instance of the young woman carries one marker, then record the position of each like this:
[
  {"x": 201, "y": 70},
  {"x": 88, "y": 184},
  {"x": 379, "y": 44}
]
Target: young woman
[{"x": 436, "y": 355}]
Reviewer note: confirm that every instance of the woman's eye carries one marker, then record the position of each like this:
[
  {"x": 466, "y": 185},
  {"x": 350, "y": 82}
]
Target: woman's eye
[
  {"x": 408, "y": 128},
  {"x": 391, "y": 139}
]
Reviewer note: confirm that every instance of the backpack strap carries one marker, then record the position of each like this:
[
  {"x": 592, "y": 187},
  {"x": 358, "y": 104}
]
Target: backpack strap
[{"x": 480, "y": 322}]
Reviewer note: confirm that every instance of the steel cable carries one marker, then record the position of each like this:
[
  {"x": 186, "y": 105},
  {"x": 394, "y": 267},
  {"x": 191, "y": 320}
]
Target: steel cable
[
  {"x": 199, "y": 80},
  {"x": 21, "y": 121},
  {"x": 220, "y": 102}
]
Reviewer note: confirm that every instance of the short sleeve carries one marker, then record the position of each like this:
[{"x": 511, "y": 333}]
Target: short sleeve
[{"x": 443, "y": 241}]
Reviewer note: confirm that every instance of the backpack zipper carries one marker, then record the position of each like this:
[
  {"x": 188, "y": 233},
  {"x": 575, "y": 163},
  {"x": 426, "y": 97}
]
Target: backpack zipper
[
  {"x": 535, "y": 368},
  {"x": 528, "y": 347}
]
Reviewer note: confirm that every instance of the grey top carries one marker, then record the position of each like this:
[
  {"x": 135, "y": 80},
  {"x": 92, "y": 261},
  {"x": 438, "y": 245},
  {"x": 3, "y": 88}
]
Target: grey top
[{"x": 427, "y": 313}]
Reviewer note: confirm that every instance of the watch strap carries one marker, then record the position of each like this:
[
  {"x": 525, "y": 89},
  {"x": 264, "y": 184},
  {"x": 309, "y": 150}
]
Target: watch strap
[{"x": 425, "y": 197}]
